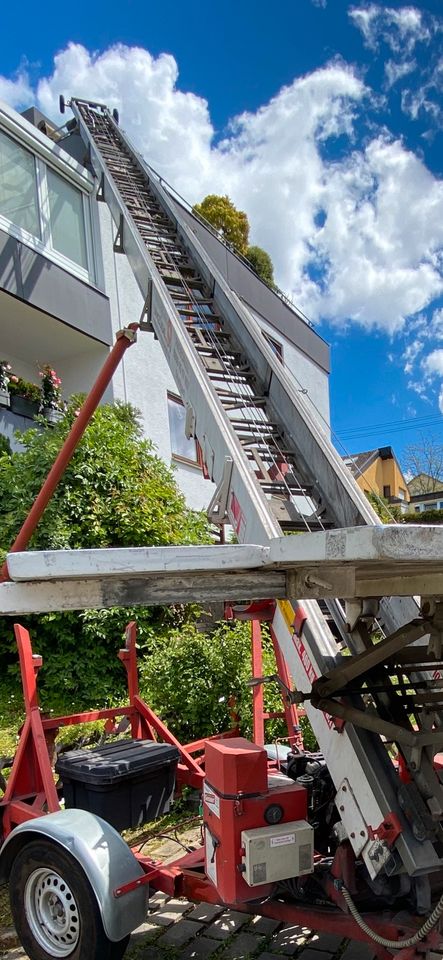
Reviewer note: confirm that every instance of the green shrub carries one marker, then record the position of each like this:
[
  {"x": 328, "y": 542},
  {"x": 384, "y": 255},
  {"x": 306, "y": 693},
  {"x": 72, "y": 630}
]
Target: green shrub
[
  {"x": 427, "y": 516},
  {"x": 189, "y": 678},
  {"x": 5, "y": 446},
  {"x": 116, "y": 492}
]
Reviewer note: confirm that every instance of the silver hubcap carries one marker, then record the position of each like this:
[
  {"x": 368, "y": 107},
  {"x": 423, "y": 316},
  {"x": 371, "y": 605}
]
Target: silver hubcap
[{"x": 51, "y": 912}]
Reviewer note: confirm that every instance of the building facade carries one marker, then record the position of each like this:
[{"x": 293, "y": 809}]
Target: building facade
[
  {"x": 378, "y": 472},
  {"x": 65, "y": 291}
]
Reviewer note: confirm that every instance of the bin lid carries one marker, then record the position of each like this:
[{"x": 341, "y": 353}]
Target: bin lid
[{"x": 116, "y": 761}]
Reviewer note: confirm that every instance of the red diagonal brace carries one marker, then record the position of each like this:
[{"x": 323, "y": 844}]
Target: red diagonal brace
[{"x": 124, "y": 340}]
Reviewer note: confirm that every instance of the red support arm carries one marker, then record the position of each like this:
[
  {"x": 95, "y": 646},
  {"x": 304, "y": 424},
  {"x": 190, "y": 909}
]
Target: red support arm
[{"x": 124, "y": 340}]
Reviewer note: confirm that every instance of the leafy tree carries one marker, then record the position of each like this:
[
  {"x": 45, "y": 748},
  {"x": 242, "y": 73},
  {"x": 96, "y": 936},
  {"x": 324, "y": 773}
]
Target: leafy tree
[
  {"x": 262, "y": 264},
  {"x": 189, "y": 677},
  {"x": 232, "y": 224}
]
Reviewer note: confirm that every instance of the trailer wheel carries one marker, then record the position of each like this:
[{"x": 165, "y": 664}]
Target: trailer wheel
[{"x": 54, "y": 907}]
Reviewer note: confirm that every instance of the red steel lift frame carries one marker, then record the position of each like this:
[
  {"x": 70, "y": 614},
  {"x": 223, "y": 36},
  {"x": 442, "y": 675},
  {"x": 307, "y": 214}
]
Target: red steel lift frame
[{"x": 31, "y": 791}]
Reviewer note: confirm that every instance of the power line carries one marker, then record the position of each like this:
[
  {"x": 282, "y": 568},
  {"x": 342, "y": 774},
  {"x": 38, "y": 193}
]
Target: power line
[
  {"x": 394, "y": 426},
  {"x": 431, "y": 416}
]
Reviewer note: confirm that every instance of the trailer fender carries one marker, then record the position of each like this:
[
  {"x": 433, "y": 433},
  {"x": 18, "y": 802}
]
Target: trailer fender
[{"x": 104, "y": 856}]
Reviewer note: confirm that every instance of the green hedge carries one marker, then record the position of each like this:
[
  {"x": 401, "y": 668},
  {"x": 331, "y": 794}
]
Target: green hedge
[{"x": 427, "y": 516}]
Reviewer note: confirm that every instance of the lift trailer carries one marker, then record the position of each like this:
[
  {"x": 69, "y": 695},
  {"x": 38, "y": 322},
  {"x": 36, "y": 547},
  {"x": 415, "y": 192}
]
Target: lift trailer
[{"x": 348, "y": 839}]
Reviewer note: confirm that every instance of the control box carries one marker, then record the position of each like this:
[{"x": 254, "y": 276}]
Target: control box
[
  {"x": 241, "y": 801},
  {"x": 277, "y": 853}
]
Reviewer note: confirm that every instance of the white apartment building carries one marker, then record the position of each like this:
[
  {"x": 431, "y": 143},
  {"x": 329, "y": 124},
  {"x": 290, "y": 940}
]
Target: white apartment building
[{"x": 65, "y": 291}]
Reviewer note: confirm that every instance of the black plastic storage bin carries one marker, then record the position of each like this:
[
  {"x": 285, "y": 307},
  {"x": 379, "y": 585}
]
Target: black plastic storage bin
[{"x": 128, "y": 782}]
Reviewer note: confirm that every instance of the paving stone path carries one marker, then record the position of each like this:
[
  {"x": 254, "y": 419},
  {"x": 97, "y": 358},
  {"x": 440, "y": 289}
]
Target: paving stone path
[{"x": 179, "y": 930}]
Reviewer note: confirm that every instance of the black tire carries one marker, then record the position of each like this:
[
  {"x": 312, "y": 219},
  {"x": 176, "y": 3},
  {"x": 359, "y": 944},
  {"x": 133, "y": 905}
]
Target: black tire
[
  {"x": 46, "y": 882},
  {"x": 61, "y": 103}
]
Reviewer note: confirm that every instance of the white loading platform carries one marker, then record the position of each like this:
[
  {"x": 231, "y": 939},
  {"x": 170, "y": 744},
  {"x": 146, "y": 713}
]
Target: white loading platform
[{"x": 353, "y": 562}]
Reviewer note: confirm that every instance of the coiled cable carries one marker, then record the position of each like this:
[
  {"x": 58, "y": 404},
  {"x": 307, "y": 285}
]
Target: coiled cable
[{"x": 429, "y": 925}]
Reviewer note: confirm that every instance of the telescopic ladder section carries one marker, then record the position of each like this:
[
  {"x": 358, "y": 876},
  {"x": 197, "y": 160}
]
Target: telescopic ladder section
[{"x": 275, "y": 469}]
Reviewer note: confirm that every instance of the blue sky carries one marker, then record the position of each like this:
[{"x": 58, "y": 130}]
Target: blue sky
[{"x": 324, "y": 121}]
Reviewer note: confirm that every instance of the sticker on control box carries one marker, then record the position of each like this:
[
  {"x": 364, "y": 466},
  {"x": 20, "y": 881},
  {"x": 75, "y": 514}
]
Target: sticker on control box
[
  {"x": 211, "y": 800},
  {"x": 283, "y": 841}
]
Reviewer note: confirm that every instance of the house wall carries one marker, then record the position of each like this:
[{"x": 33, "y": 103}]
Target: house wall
[
  {"x": 45, "y": 285},
  {"x": 306, "y": 372},
  {"x": 433, "y": 501},
  {"x": 383, "y": 473}
]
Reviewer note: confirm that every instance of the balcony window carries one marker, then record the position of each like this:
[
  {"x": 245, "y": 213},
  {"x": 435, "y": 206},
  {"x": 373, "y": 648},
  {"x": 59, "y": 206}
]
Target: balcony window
[
  {"x": 67, "y": 222},
  {"x": 275, "y": 346},
  {"x": 18, "y": 186},
  {"x": 44, "y": 209},
  {"x": 181, "y": 447}
]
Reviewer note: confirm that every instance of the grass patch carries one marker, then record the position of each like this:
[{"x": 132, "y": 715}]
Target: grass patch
[{"x": 11, "y": 717}]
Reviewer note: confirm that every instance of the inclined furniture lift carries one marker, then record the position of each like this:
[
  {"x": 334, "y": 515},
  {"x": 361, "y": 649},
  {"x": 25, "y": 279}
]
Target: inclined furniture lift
[{"x": 347, "y": 831}]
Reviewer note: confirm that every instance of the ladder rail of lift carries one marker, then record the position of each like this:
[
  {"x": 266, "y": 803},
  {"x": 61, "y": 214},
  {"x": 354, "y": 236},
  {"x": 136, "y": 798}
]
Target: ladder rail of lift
[{"x": 275, "y": 470}]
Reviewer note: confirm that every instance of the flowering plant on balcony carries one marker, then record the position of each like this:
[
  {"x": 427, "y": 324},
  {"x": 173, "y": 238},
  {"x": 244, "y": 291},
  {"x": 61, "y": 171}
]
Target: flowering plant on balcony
[
  {"x": 51, "y": 398},
  {"x": 5, "y": 369},
  {"x": 24, "y": 388}
]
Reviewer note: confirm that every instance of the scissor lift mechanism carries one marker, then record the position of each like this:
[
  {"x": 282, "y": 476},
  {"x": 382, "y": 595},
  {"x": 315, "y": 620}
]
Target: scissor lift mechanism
[{"x": 276, "y": 473}]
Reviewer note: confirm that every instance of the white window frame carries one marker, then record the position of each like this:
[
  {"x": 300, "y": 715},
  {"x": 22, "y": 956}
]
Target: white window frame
[
  {"x": 275, "y": 345},
  {"x": 178, "y": 457},
  {"x": 67, "y": 169}
]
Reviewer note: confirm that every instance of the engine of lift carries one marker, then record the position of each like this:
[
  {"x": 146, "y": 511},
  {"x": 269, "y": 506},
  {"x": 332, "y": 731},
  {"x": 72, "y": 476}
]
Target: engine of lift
[
  {"x": 255, "y": 823},
  {"x": 277, "y": 833}
]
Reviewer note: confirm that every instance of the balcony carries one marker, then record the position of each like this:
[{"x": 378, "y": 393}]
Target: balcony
[{"x": 30, "y": 337}]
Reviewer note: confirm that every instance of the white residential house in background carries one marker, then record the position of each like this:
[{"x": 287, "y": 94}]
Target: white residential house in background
[
  {"x": 65, "y": 291},
  {"x": 426, "y": 493}
]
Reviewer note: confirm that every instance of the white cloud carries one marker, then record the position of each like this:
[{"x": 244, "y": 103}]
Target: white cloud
[
  {"x": 426, "y": 98},
  {"x": 423, "y": 368},
  {"x": 401, "y": 29},
  {"x": 354, "y": 239},
  {"x": 433, "y": 363},
  {"x": 17, "y": 91},
  {"x": 172, "y": 128},
  {"x": 432, "y": 367},
  {"x": 381, "y": 248},
  {"x": 410, "y": 354},
  {"x": 435, "y": 327},
  {"x": 395, "y": 71}
]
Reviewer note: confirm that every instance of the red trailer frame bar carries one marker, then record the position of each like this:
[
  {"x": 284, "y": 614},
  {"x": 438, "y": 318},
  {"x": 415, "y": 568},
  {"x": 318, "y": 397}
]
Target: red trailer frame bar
[{"x": 30, "y": 790}]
